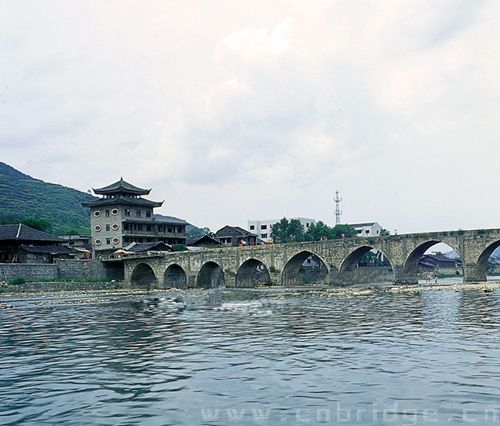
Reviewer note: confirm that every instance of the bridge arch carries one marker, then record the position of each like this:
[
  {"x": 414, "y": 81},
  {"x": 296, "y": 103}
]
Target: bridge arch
[
  {"x": 410, "y": 267},
  {"x": 350, "y": 272},
  {"x": 211, "y": 275},
  {"x": 252, "y": 273},
  {"x": 304, "y": 268},
  {"x": 175, "y": 276},
  {"x": 143, "y": 276},
  {"x": 350, "y": 262},
  {"x": 482, "y": 261}
]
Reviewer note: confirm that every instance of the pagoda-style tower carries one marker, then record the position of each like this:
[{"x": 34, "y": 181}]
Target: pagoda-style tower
[{"x": 122, "y": 217}]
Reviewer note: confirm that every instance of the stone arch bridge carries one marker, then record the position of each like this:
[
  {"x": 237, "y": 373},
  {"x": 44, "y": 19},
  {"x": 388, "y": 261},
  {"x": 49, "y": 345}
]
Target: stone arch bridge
[{"x": 279, "y": 264}]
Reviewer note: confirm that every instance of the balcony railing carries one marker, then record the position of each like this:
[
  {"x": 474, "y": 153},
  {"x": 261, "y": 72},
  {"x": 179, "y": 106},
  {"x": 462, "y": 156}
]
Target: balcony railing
[{"x": 146, "y": 233}]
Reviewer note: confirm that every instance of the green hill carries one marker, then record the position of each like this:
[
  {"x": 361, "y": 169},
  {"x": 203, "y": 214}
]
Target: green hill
[{"x": 23, "y": 197}]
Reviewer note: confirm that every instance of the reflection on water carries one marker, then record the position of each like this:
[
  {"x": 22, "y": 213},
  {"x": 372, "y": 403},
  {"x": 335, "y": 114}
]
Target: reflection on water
[{"x": 253, "y": 357}]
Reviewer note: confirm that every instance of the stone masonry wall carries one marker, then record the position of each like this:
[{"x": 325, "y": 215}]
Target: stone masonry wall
[
  {"x": 29, "y": 271},
  {"x": 64, "y": 268},
  {"x": 80, "y": 268}
]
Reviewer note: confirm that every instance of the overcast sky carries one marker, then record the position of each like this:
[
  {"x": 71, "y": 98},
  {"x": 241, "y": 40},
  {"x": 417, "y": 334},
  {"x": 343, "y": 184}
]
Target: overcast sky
[{"x": 235, "y": 110}]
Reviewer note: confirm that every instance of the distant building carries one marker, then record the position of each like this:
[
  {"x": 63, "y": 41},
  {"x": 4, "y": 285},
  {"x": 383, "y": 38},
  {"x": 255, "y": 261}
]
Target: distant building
[
  {"x": 21, "y": 244},
  {"x": 44, "y": 254},
  {"x": 203, "y": 241},
  {"x": 369, "y": 229},
  {"x": 75, "y": 241},
  {"x": 235, "y": 236},
  {"x": 438, "y": 262},
  {"x": 122, "y": 217},
  {"x": 156, "y": 246},
  {"x": 263, "y": 228}
]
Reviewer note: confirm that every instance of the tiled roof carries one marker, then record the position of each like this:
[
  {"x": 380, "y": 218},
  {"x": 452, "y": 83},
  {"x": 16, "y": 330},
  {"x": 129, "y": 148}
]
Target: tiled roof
[
  {"x": 20, "y": 232},
  {"x": 129, "y": 201},
  {"x": 121, "y": 187},
  {"x": 356, "y": 225},
  {"x": 47, "y": 249},
  {"x": 170, "y": 219},
  {"x": 143, "y": 247},
  {"x": 193, "y": 241},
  {"x": 439, "y": 257},
  {"x": 233, "y": 231}
]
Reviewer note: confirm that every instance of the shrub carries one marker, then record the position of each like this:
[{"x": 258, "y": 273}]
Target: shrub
[{"x": 17, "y": 281}]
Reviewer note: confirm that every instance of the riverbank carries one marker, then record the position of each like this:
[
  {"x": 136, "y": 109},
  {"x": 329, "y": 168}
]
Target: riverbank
[{"x": 116, "y": 288}]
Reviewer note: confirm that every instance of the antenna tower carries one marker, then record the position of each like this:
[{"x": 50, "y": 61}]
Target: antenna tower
[{"x": 338, "y": 212}]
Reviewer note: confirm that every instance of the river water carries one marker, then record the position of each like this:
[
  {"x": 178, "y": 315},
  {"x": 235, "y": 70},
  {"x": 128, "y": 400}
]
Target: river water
[{"x": 251, "y": 357}]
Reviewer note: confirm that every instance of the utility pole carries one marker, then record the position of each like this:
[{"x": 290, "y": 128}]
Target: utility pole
[{"x": 338, "y": 212}]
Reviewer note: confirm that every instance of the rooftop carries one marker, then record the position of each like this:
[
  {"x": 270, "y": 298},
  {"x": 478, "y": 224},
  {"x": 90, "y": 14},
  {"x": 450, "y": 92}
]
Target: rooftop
[
  {"x": 123, "y": 200},
  {"x": 169, "y": 219},
  {"x": 207, "y": 238},
  {"x": 20, "y": 232},
  {"x": 355, "y": 225},
  {"x": 52, "y": 249},
  {"x": 143, "y": 247},
  {"x": 232, "y": 231},
  {"x": 121, "y": 187}
]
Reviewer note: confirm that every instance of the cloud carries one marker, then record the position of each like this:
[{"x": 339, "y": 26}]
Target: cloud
[{"x": 269, "y": 107}]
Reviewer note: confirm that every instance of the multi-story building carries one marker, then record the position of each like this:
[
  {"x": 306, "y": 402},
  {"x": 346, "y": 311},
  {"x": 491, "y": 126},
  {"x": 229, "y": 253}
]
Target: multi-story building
[
  {"x": 122, "y": 217},
  {"x": 369, "y": 229},
  {"x": 263, "y": 228}
]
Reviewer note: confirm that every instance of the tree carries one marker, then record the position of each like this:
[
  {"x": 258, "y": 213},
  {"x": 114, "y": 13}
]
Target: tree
[
  {"x": 35, "y": 223},
  {"x": 384, "y": 232},
  {"x": 286, "y": 231},
  {"x": 319, "y": 231},
  {"x": 343, "y": 231}
]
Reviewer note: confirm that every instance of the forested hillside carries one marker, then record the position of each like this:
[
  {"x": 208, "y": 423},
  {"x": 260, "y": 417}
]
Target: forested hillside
[{"x": 25, "y": 198}]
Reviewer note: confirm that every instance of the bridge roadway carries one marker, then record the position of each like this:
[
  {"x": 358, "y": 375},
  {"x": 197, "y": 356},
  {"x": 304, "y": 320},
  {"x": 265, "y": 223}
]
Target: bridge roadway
[{"x": 279, "y": 264}]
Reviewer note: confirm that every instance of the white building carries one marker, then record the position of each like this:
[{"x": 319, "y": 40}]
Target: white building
[
  {"x": 371, "y": 229},
  {"x": 263, "y": 228}
]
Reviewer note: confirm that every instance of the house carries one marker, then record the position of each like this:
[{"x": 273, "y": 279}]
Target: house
[
  {"x": 438, "y": 262},
  {"x": 367, "y": 229},
  {"x": 122, "y": 216},
  {"x": 80, "y": 245},
  {"x": 234, "y": 236},
  {"x": 263, "y": 228},
  {"x": 44, "y": 254},
  {"x": 205, "y": 241},
  {"x": 145, "y": 247},
  {"x": 73, "y": 241},
  {"x": 21, "y": 244}
]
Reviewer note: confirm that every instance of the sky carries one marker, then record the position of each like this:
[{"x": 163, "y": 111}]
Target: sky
[{"x": 235, "y": 110}]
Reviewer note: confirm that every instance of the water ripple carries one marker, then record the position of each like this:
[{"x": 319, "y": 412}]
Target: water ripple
[{"x": 117, "y": 360}]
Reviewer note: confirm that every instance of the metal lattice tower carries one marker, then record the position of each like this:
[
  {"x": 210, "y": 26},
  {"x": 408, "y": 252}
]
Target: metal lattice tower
[{"x": 338, "y": 212}]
